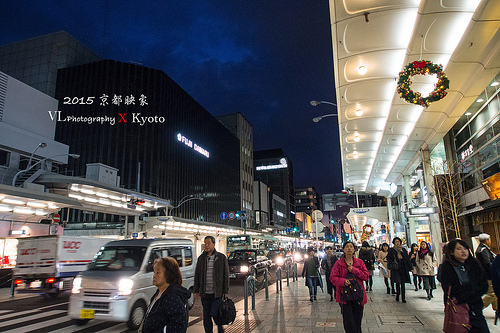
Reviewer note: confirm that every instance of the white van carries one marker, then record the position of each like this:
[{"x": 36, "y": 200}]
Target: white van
[{"x": 117, "y": 285}]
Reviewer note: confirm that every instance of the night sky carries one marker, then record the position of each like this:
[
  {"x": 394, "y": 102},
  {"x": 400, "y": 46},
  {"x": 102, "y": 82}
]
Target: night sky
[{"x": 265, "y": 59}]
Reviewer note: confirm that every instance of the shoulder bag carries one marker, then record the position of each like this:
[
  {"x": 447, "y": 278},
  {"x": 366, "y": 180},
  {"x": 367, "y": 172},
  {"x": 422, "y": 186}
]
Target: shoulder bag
[
  {"x": 456, "y": 316},
  {"x": 352, "y": 292}
]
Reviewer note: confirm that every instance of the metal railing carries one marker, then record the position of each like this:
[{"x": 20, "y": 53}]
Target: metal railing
[
  {"x": 249, "y": 289},
  {"x": 279, "y": 284}
]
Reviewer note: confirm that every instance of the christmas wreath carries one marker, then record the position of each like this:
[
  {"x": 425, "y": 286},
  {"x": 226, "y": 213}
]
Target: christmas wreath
[
  {"x": 367, "y": 228},
  {"x": 422, "y": 67}
]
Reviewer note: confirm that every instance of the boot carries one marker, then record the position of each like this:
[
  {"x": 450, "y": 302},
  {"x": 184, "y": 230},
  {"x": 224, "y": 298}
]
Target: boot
[
  {"x": 393, "y": 291},
  {"x": 331, "y": 298},
  {"x": 311, "y": 298},
  {"x": 397, "y": 297},
  {"x": 428, "y": 294},
  {"x": 388, "y": 290}
]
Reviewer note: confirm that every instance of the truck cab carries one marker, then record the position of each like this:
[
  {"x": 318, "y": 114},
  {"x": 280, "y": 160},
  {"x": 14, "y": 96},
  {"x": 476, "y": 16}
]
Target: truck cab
[{"x": 117, "y": 286}]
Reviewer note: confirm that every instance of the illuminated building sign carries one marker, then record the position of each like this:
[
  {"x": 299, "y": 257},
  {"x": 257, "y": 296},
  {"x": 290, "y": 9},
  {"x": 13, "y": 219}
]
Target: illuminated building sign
[
  {"x": 282, "y": 165},
  {"x": 467, "y": 152},
  {"x": 190, "y": 144}
]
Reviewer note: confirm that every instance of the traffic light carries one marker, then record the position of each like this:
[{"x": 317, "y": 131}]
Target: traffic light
[
  {"x": 332, "y": 221},
  {"x": 237, "y": 215}
]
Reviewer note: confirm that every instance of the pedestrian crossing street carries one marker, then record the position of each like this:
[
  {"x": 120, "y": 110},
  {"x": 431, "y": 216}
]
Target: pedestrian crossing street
[{"x": 50, "y": 319}]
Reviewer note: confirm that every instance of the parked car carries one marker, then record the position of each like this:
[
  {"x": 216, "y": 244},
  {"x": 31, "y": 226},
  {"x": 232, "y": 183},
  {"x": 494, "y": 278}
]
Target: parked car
[
  {"x": 279, "y": 257},
  {"x": 243, "y": 263}
]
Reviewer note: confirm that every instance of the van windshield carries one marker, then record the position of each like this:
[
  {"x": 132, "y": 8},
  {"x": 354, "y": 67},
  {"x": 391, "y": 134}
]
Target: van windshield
[{"x": 113, "y": 258}]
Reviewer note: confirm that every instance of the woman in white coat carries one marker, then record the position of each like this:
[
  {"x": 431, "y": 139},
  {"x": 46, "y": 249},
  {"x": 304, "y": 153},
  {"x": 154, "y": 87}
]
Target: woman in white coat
[{"x": 425, "y": 265}]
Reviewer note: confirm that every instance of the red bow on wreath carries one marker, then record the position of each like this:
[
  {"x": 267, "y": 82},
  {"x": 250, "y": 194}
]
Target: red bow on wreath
[{"x": 419, "y": 64}]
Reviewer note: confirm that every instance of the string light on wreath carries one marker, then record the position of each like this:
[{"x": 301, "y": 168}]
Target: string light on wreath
[
  {"x": 367, "y": 232},
  {"x": 422, "y": 67}
]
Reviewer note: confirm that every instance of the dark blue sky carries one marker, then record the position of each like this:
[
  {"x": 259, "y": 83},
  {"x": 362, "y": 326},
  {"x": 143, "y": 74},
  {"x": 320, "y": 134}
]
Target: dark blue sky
[{"x": 265, "y": 59}]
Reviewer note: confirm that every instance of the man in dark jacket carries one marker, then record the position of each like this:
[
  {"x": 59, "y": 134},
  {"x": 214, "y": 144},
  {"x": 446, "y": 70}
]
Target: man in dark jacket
[
  {"x": 485, "y": 257},
  {"x": 211, "y": 282},
  {"x": 327, "y": 265}
]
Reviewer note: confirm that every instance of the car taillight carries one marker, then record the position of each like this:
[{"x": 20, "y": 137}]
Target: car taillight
[
  {"x": 50, "y": 280},
  {"x": 18, "y": 281}
]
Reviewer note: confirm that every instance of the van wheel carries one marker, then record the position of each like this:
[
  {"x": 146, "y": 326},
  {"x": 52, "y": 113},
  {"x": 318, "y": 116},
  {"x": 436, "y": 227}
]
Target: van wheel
[
  {"x": 190, "y": 301},
  {"x": 136, "y": 315},
  {"x": 80, "y": 322}
]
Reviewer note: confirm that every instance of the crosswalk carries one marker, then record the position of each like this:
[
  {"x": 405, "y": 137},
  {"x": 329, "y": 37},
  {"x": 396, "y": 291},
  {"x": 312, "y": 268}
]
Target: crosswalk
[{"x": 53, "y": 320}]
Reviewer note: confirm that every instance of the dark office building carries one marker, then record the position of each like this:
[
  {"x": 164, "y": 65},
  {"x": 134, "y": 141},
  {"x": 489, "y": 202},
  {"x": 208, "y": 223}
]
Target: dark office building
[
  {"x": 274, "y": 168},
  {"x": 138, "y": 120},
  {"x": 307, "y": 200}
]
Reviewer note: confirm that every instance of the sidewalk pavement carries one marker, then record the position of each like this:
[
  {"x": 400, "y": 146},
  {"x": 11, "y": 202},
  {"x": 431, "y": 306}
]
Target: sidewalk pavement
[{"x": 291, "y": 311}]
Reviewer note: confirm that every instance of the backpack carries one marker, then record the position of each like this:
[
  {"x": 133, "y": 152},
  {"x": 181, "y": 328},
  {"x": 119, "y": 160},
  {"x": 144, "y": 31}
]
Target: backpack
[
  {"x": 227, "y": 312},
  {"x": 352, "y": 292}
]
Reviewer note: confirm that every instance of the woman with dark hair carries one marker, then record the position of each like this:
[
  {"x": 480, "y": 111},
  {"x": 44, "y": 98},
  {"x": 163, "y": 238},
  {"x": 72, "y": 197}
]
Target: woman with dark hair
[
  {"x": 310, "y": 272},
  {"x": 467, "y": 280},
  {"x": 426, "y": 263},
  {"x": 366, "y": 254},
  {"x": 414, "y": 271},
  {"x": 167, "y": 310},
  {"x": 382, "y": 261},
  {"x": 352, "y": 311},
  {"x": 399, "y": 263}
]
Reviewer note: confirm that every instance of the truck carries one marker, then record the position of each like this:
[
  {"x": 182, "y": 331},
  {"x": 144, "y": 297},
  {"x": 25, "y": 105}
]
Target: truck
[{"x": 47, "y": 265}]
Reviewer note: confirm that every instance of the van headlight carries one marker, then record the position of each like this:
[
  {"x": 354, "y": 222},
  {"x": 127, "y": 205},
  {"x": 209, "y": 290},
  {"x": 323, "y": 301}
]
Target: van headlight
[
  {"x": 279, "y": 260},
  {"x": 244, "y": 269},
  {"x": 77, "y": 285},
  {"x": 125, "y": 287}
]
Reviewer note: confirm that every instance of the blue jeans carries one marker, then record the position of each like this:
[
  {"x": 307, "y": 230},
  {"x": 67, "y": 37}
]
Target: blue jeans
[
  {"x": 312, "y": 284},
  {"x": 211, "y": 306}
]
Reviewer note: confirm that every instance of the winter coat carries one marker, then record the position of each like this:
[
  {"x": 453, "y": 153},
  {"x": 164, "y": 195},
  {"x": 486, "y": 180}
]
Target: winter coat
[
  {"x": 305, "y": 273},
  {"x": 469, "y": 292},
  {"x": 340, "y": 270},
  {"x": 366, "y": 254},
  {"x": 221, "y": 274},
  {"x": 324, "y": 265},
  {"x": 485, "y": 257},
  {"x": 169, "y": 311},
  {"x": 401, "y": 275},
  {"x": 426, "y": 266},
  {"x": 382, "y": 260}
]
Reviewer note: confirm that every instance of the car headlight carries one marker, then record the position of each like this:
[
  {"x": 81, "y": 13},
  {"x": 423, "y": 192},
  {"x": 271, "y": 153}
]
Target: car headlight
[
  {"x": 306, "y": 256},
  {"x": 279, "y": 260},
  {"x": 297, "y": 256},
  {"x": 244, "y": 269},
  {"x": 77, "y": 285},
  {"x": 125, "y": 287}
]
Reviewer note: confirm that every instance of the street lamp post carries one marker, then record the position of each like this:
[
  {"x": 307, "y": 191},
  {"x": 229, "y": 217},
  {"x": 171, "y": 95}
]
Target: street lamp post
[
  {"x": 28, "y": 168},
  {"x": 183, "y": 201},
  {"x": 316, "y": 103},
  {"x": 40, "y": 145},
  {"x": 316, "y": 119}
]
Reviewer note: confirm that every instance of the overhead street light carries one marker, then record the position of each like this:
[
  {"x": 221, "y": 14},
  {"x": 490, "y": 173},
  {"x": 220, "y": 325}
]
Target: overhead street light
[
  {"x": 316, "y": 103},
  {"x": 40, "y": 145},
  {"x": 316, "y": 119},
  {"x": 183, "y": 201},
  {"x": 28, "y": 168}
]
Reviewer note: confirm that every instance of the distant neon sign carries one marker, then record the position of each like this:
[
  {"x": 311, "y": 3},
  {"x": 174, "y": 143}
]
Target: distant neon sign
[
  {"x": 282, "y": 165},
  {"x": 190, "y": 144}
]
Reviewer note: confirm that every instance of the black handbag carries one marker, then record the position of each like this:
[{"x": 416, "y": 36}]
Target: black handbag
[
  {"x": 393, "y": 265},
  {"x": 227, "y": 312}
]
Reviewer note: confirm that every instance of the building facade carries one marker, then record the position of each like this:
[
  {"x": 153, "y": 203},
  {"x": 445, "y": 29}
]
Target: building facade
[
  {"x": 307, "y": 200},
  {"x": 242, "y": 129},
  {"x": 35, "y": 61},
  {"x": 139, "y": 121},
  {"x": 274, "y": 168}
]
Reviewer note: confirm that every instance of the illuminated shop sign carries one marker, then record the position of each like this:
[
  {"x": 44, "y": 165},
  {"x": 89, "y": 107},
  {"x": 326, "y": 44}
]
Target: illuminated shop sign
[
  {"x": 282, "y": 165},
  {"x": 190, "y": 144},
  {"x": 467, "y": 152}
]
